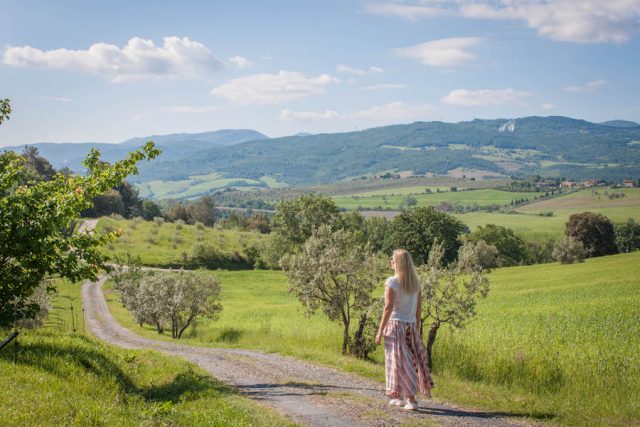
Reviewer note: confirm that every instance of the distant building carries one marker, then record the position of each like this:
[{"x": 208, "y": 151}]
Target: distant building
[
  {"x": 629, "y": 183},
  {"x": 591, "y": 183},
  {"x": 568, "y": 184}
]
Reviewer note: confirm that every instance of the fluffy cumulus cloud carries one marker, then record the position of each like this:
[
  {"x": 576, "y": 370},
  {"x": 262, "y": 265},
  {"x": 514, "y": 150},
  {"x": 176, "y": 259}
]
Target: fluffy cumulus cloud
[
  {"x": 395, "y": 112},
  {"x": 240, "y": 62},
  {"x": 484, "y": 97},
  {"x": 444, "y": 53},
  {"x": 307, "y": 116},
  {"x": 591, "y": 86},
  {"x": 272, "y": 88},
  {"x": 138, "y": 59},
  {"x": 584, "y": 21}
]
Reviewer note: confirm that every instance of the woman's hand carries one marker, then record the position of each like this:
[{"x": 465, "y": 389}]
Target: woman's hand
[{"x": 378, "y": 338}]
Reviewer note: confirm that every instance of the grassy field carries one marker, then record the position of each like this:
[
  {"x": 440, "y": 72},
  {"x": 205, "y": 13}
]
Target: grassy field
[
  {"x": 199, "y": 185},
  {"x": 64, "y": 378},
  {"x": 551, "y": 341},
  {"x": 528, "y": 223},
  {"x": 393, "y": 199},
  {"x": 163, "y": 249}
]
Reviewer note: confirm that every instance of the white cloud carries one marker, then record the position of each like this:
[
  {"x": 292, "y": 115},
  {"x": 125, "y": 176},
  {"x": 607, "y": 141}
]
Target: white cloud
[
  {"x": 240, "y": 62},
  {"x": 484, "y": 97},
  {"x": 307, "y": 116},
  {"x": 592, "y": 86},
  {"x": 584, "y": 21},
  {"x": 578, "y": 21},
  {"x": 135, "y": 118},
  {"x": 548, "y": 106},
  {"x": 358, "y": 71},
  {"x": 189, "y": 109},
  {"x": 441, "y": 53},
  {"x": 384, "y": 86},
  {"x": 55, "y": 98},
  {"x": 272, "y": 88},
  {"x": 411, "y": 12},
  {"x": 138, "y": 59},
  {"x": 395, "y": 112}
]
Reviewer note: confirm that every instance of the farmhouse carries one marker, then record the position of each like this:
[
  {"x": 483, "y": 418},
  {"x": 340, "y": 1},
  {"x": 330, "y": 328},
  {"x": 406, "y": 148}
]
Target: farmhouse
[
  {"x": 568, "y": 184},
  {"x": 629, "y": 183}
]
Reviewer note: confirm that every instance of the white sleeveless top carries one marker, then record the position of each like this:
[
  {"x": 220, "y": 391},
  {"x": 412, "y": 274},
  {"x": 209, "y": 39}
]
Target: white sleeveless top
[{"x": 405, "y": 305}]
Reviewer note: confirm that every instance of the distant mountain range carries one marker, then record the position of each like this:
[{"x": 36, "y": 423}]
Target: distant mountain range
[
  {"x": 549, "y": 146},
  {"x": 174, "y": 147}
]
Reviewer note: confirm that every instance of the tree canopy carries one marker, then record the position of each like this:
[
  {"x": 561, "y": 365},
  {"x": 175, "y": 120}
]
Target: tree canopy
[{"x": 35, "y": 223}]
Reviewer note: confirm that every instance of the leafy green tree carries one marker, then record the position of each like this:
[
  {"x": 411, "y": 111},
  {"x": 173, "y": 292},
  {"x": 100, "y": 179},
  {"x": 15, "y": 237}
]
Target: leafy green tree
[
  {"x": 203, "y": 211},
  {"x": 416, "y": 231},
  {"x": 450, "y": 293},
  {"x": 36, "y": 167},
  {"x": 33, "y": 220},
  {"x": 627, "y": 235},
  {"x": 150, "y": 210},
  {"x": 177, "y": 212},
  {"x": 595, "y": 232},
  {"x": 108, "y": 203},
  {"x": 569, "y": 250},
  {"x": 511, "y": 248},
  {"x": 132, "y": 204},
  {"x": 335, "y": 274},
  {"x": 297, "y": 219}
]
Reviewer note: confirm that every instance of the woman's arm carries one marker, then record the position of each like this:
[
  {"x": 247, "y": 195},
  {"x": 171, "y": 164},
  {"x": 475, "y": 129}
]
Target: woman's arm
[{"x": 389, "y": 299}]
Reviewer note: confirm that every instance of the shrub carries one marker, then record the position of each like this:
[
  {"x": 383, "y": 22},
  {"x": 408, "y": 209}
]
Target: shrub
[{"x": 569, "y": 250}]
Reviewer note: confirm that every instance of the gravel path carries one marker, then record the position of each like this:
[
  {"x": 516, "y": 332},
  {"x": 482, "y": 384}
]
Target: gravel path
[{"x": 305, "y": 393}]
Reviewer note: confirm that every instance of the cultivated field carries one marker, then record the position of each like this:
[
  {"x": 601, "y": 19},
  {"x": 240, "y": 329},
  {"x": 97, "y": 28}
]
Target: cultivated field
[
  {"x": 392, "y": 199},
  {"x": 551, "y": 341},
  {"x": 164, "y": 248}
]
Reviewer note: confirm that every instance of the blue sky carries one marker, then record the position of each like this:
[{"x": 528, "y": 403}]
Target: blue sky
[{"x": 80, "y": 71}]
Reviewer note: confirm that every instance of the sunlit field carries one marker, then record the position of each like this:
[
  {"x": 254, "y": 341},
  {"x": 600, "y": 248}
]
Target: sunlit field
[{"x": 551, "y": 341}]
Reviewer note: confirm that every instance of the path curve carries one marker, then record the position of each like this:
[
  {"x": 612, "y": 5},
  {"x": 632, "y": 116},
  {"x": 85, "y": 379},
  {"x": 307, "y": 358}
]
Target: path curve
[{"x": 305, "y": 393}]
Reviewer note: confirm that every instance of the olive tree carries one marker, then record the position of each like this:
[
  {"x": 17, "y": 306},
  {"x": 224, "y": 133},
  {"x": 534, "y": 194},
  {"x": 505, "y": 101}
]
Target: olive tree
[
  {"x": 174, "y": 299},
  {"x": 450, "y": 293},
  {"x": 35, "y": 219},
  {"x": 335, "y": 274},
  {"x": 569, "y": 250}
]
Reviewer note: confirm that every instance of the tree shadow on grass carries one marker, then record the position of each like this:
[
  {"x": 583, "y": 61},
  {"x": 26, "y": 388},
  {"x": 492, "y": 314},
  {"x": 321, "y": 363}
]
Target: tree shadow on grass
[{"x": 186, "y": 385}]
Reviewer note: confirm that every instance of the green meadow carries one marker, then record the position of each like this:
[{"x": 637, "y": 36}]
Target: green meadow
[
  {"x": 553, "y": 342},
  {"x": 63, "y": 378},
  {"x": 199, "y": 185},
  {"x": 394, "y": 198},
  {"x": 529, "y": 222},
  {"x": 163, "y": 248}
]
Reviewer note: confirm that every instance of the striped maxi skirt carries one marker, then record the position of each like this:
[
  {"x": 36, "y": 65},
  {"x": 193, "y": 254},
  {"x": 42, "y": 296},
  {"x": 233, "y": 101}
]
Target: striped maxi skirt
[{"x": 405, "y": 361}]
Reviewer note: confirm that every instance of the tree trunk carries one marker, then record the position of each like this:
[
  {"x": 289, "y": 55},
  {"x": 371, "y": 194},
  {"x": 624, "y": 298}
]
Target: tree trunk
[
  {"x": 345, "y": 336},
  {"x": 358, "y": 347},
  {"x": 185, "y": 326},
  {"x": 160, "y": 328},
  {"x": 430, "y": 340}
]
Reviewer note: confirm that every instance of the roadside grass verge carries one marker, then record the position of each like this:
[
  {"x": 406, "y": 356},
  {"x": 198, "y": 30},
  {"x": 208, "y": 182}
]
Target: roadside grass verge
[{"x": 64, "y": 378}]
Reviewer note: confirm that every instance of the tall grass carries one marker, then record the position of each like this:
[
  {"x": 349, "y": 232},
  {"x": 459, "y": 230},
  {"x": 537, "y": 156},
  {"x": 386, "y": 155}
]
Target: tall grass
[
  {"x": 64, "y": 378},
  {"x": 551, "y": 341}
]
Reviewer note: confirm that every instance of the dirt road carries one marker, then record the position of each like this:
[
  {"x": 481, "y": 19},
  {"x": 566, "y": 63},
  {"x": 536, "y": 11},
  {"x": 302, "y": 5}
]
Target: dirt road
[{"x": 305, "y": 393}]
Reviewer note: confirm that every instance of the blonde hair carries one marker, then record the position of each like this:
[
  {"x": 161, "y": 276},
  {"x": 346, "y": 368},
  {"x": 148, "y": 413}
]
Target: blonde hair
[{"x": 405, "y": 271}]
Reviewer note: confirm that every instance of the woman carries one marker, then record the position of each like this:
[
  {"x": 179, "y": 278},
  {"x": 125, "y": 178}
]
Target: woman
[{"x": 405, "y": 363}]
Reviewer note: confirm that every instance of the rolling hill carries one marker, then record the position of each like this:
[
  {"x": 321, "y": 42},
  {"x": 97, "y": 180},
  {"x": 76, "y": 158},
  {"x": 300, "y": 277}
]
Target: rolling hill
[
  {"x": 174, "y": 147},
  {"x": 549, "y": 146}
]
